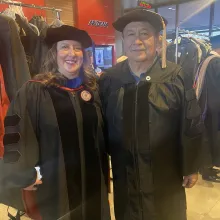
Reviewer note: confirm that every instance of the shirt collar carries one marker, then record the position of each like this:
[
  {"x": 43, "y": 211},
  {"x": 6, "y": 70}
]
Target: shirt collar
[
  {"x": 138, "y": 79},
  {"x": 74, "y": 83}
]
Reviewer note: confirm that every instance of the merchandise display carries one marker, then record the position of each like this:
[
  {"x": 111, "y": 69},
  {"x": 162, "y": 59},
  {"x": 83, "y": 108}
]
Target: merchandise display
[{"x": 22, "y": 48}]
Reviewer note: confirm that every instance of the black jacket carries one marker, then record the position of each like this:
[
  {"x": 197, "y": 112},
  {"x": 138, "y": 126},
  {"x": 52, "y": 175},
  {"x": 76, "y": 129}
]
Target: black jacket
[
  {"x": 154, "y": 140},
  {"x": 34, "y": 46},
  {"x": 54, "y": 128},
  {"x": 12, "y": 57},
  {"x": 41, "y": 25}
]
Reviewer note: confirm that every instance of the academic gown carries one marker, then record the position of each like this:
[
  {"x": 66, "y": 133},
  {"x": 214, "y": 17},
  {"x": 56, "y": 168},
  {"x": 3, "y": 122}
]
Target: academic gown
[
  {"x": 59, "y": 130},
  {"x": 154, "y": 135},
  {"x": 210, "y": 105}
]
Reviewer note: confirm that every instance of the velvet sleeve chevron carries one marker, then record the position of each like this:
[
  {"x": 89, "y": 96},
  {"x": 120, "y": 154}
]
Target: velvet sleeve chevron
[{"x": 20, "y": 141}]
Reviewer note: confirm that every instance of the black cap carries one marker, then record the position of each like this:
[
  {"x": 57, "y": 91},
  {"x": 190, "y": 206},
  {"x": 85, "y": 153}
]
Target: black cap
[
  {"x": 67, "y": 32},
  {"x": 139, "y": 14},
  {"x": 215, "y": 41}
]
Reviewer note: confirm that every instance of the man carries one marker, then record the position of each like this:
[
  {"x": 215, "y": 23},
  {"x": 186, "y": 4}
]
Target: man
[
  {"x": 153, "y": 125},
  {"x": 210, "y": 103}
]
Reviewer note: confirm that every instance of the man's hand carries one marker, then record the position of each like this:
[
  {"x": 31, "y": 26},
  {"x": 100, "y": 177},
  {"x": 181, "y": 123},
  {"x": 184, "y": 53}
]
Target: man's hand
[
  {"x": 33, "y": 187},
  {"x": 190, "y": 181}
]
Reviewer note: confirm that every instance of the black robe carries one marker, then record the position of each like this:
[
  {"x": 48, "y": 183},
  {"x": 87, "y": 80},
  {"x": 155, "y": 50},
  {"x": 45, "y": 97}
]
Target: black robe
[
  {"x": 210, "y": 105},
  {"x": 154, "y": 131},
  {"x": 55, "y": 129}
]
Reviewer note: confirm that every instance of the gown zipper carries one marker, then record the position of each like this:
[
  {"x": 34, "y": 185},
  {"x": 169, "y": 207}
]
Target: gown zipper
[
  {"x": 136, "y": 148},
  {"x": 77, "y": 108}
]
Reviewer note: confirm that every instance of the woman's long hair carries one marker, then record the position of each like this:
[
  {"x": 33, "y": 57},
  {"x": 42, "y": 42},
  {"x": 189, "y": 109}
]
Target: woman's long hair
[{"x": 51, "y": 76}]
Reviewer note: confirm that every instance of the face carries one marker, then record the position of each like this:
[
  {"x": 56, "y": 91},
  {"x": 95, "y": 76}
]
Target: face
[
  {"x": 140, "y": 41},
  {"x": 69, "y": 58}
]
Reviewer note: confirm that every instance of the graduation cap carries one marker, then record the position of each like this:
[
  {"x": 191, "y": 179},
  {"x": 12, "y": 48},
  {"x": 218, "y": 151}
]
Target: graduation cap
[
  {"x": 215, "y": 41},
  {"x": 140, "y": 14},
  {"x": 66, "y": 32}
]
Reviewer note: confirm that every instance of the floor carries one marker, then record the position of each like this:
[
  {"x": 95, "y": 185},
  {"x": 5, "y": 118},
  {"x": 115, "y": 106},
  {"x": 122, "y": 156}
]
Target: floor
[{"x": 203, "y": 202}]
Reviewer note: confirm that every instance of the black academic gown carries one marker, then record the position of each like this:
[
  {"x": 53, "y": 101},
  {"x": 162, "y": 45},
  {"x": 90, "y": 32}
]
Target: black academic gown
[
  {"x": 154, "y": 133},
  {"x": 54, "y": 128},
  {"x": 210, "y": 104}
]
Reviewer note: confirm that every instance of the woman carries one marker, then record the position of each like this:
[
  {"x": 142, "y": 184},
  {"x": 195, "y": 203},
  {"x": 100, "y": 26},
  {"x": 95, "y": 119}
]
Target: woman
[{"x": 54, "y": 130}]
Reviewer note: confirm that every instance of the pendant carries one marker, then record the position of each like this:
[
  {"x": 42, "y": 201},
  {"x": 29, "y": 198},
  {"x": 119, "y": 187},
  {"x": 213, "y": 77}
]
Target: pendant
[{"x": 86, "y": 96}]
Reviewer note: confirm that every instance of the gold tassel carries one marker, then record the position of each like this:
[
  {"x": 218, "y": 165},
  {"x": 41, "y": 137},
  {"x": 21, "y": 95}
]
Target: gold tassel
[{"x": 164, "y": 45}]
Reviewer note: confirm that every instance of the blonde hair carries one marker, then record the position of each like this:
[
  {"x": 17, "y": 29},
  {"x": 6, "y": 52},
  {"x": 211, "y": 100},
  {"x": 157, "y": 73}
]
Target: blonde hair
[{"x": 51, "y": 76}]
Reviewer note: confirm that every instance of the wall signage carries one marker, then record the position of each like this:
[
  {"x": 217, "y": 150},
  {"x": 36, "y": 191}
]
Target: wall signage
[
  {"x": 144, "y": 4},
  {"x": 98, "y": 23}
]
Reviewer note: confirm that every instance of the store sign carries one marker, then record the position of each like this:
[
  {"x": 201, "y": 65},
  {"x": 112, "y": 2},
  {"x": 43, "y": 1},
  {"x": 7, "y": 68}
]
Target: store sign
[
  {"x": 144, "y": 4},
  {"x": 97, "y": 23}
]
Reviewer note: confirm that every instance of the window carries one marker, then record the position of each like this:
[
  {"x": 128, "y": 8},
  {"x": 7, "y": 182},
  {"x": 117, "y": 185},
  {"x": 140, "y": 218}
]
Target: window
[
  {"x": 216, "y": 22},
  {"x": 195, "y": 16},
  {"x": 169, "y": 13}
]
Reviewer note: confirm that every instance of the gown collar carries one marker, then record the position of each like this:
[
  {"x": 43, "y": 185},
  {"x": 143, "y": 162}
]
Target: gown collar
[{"x": 74, "y": 83}]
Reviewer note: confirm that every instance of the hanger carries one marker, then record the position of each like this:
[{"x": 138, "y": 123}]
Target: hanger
[
  {"x": 20, "y": 10},
  {"x": 36, "y": 29},
  {"x": 12, "y": 10},
  {"x": 34, "y": 6},
  {"x": 9, "y": 12},
  {"x": 56, "y": 22}
]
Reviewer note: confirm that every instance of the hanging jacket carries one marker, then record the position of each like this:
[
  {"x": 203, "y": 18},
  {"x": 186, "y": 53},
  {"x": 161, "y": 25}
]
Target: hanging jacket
[
  {"x": 4, "y": 103},
  {"x": 201, "y": 75},
  {"x": 34, "y": 46},
  {"x": 191, "y": 52},
  {"x": 154, "y": 136},
  {"x": 210, "y": 105},
  {"x": 12, "y": 57},
  {"x": 39, "y": 22},
  {"x": 189, "y": 56}
]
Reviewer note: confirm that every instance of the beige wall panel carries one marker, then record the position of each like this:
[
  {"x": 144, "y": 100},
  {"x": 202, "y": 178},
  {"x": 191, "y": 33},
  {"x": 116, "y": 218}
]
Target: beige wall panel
[{"x": 67, "y": 16}]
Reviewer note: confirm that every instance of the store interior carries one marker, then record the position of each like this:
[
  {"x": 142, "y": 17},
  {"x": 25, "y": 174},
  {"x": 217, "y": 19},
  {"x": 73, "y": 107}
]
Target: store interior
[{"x": 198, "y": 19}]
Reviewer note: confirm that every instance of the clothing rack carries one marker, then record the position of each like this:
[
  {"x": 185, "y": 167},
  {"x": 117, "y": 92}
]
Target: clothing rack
[
  {"x": 176, "y": 54},
  {"x": 8, "y": 2},
  {"x": 182, "y": 31}
]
